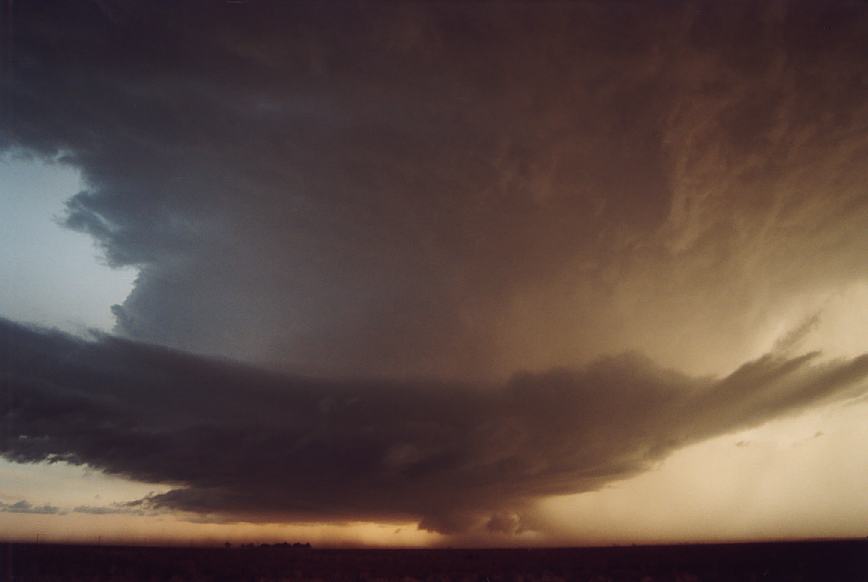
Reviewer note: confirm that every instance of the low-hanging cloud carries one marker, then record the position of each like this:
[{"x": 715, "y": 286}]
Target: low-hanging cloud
[
  {"x": 113, "y": 509},
  {"x": 24, "y": 506},
  {"x": 241, "y": 443}
]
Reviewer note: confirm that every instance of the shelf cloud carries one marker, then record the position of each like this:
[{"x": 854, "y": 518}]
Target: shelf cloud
[{"x": 241, "y": 443}]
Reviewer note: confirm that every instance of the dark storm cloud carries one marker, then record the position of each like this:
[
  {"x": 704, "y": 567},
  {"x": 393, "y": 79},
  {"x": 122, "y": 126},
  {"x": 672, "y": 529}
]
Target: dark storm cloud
[
  {"x": 241, "y": 443},
  {"x": 459, "y": 189}
]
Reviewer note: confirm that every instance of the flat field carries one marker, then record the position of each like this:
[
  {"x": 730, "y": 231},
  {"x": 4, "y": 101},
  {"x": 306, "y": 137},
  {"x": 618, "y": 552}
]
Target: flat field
[{"x": 837, "y": 561}]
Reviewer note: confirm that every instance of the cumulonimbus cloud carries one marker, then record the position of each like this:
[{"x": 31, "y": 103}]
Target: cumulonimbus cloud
[
  {"x": 455, "y": 191},
  {"x": 458, "y": 189},
  {"x": 242, "y": 443}
]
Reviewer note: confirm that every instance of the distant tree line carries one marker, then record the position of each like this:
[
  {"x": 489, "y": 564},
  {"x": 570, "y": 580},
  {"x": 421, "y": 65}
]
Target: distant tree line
[{"x": 279, "y": 546}]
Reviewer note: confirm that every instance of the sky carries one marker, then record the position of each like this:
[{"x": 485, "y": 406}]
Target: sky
[{"x": 414, "y": 274}]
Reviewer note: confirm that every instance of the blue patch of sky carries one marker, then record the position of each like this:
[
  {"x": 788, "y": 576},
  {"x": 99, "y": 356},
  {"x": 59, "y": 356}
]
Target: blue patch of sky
[{"x": 50, "y": 275}]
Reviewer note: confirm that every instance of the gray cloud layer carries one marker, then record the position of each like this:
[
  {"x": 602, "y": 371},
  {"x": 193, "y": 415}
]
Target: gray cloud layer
[
  {"x": 242, "y": 443},
  {"x": 114, "y": 509},
  {"x": 24, "y": 506},
  {"x": 460, "y": 189}
]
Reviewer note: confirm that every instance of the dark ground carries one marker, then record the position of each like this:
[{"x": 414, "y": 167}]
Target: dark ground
[{"x": 827, "y": 561}]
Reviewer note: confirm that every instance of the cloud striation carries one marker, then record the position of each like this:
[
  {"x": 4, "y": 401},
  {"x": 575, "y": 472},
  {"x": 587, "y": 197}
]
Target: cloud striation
[
  {"x": 242, "y": 443},
  {"x": 459, "y": 190}
]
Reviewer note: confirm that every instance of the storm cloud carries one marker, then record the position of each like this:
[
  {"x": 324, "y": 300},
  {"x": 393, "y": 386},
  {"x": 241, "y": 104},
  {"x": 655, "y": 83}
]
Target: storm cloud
[
  {"x": 384, "y": 249},
  {"x": 455, "y": 190},
  {"x": 241, "y": 443}
]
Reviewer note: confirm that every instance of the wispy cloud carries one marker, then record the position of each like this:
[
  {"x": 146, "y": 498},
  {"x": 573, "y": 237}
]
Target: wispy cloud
[
  {"x": 113, "y": 509},
  {"x": 24, "y": 506}
]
